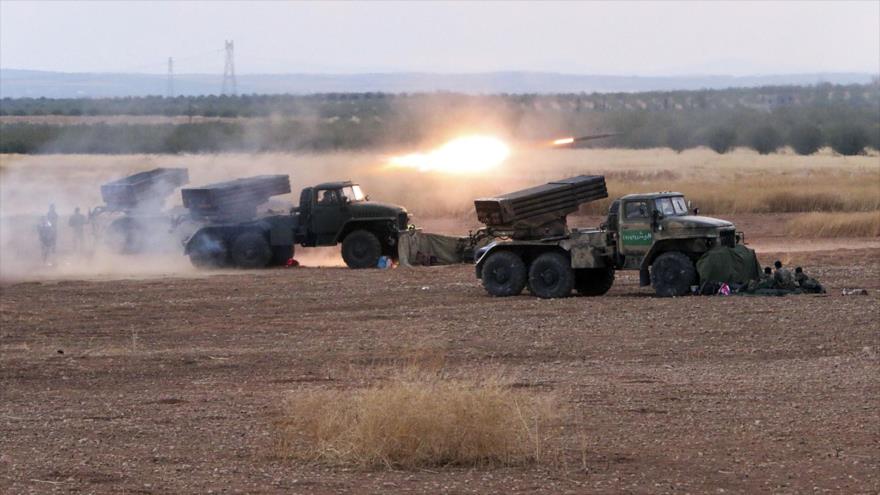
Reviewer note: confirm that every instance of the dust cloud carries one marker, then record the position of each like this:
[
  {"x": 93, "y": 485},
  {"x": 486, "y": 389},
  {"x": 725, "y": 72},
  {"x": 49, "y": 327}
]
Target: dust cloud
[{"x": 437, "y": 202}]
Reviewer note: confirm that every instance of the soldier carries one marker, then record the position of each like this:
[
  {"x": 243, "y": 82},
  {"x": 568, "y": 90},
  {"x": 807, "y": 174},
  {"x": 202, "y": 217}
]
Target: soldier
[
  {"x": 47, "y": 238},
  {"x": 806, "y": 283},
  {"x": 783, "y": 278},
  {"x": 52, "y": 218},
  {"x": 77, "y": 223},
  {"x": 765, "y": 282}
]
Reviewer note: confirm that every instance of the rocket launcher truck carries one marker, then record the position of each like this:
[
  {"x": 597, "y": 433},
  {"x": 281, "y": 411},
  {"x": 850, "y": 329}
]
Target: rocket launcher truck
[
  {"x": 140, "y": 199},
  {"x": 654, "y": 233},
  {"x": 328, "y": 214}
]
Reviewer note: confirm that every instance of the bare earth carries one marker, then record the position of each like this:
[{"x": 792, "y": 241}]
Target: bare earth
[{"x": 170, "y": 385}]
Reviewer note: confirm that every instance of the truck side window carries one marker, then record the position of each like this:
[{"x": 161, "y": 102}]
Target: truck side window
[
  {"x": 327, "y": 197},
  {"x": 635, "y": 209}
]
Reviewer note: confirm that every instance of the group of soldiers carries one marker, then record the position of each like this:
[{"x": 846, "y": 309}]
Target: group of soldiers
[
  {"x": 782, "y": 280},
  {"x": 47, "y": 229}
]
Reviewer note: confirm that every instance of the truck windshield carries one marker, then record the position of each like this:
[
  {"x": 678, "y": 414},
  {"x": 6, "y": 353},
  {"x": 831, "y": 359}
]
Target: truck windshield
[
  {"x": 673, "y": 206},
  {"x": 352, "y": 193}
]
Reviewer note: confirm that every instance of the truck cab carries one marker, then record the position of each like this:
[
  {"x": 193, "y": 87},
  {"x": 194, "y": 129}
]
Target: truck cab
[
  {"x": 648, "y": 225},
  {"x": 340, "y": 212}
]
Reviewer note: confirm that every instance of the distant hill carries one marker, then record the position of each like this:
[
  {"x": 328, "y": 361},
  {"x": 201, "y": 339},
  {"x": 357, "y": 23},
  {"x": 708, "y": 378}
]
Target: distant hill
[{"x": 15, "y": 83}]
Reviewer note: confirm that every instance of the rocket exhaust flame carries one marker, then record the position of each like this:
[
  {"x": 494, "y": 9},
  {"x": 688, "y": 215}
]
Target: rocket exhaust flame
[
  {"x": 464, "y": 155},
  {"x": 571, "y": 140}
]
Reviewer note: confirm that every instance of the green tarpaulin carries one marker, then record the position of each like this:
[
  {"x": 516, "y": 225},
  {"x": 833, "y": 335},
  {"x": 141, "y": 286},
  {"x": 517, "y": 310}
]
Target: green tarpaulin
[
  {"x": 417, "y": 248},
  {"x": 730, "y": 265}
]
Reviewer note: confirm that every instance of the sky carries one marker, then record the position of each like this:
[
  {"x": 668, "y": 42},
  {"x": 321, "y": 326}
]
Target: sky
[{"x": 623, "y": 38}]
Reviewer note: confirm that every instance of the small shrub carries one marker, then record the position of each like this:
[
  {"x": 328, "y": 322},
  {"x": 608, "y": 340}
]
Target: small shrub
[
  {"x": 848, "y": 139},
  {"x": 765, "y": 139},
  {"x": 677, "y": 139},
  {"x": 416, "y": 420},
  {"x": 806, "y": 139},
  {"x": 721, "y": 139}
]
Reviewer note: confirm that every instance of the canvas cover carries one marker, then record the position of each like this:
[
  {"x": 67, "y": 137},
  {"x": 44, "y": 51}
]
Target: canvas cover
[
  {"x": 736, "y": 265},
  {"x": 417, "y": 248}
]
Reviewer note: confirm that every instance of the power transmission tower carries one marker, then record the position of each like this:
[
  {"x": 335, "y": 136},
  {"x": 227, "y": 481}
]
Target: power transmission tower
[
  {"x": 229, "y": 85},
  {"x": 169, "y": 90}
]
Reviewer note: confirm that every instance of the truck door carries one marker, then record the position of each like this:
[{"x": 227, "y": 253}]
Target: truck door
[
  {"x": 636, "y": 234},
  {"x": 328, "y": 214}
]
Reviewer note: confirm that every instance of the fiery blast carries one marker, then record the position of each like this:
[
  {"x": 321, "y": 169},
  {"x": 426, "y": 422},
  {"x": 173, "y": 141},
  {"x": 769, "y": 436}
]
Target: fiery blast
[{"x": 463, "y": 155}]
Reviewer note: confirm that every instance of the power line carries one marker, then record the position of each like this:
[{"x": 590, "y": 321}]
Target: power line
[
  {"x": 170, "y": 88},
  {"x": 229, "y": 70}
]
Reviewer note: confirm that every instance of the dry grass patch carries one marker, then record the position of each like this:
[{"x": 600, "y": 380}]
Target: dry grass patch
[
  {"x": 861, "y": 224},
  {"x": 417, "y": 420}
]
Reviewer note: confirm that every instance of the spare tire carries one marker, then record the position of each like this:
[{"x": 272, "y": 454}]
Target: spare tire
[
  {"x": 672, "y": 274},
  {"x": 593, "y": 281},
  {"x": 361, "y": 249},
  {"x": 551, "y": 276},
  {"x": 251, "y": 250},
  {"x": 503, "y": 274}
]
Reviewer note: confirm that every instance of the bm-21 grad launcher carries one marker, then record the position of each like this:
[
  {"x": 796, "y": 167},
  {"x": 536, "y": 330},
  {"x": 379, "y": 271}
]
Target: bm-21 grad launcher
[
  {"x": 234, "y": 200},
  {"x": 540, "y": 211},
  {"x": 140, "y": 198},
  {"x": 533, "y": 246}
]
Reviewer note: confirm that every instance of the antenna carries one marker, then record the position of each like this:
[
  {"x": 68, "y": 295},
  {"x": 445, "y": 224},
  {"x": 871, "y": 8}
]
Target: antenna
[
  {"x": 229, "y": 85},
  {"x": 169, "y": 90}
]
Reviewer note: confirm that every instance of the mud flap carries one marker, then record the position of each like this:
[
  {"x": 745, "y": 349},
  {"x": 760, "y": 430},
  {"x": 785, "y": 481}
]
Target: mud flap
[{"x": 644, "y": 277}]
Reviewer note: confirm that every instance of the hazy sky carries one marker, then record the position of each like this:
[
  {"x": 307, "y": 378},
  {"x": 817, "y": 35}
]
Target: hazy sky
[{"x": 629, "y": 38}]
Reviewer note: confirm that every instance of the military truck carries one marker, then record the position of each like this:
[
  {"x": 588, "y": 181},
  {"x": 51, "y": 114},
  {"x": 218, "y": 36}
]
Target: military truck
[
  {"x": 138, "y": 202},
  {"x": 328, "y": 214},
  {"x": 654, "y": 233}
]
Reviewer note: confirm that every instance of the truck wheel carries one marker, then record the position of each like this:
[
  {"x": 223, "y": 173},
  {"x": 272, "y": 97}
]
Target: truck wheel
[
  {"x": 551, "y": 276},
  {"x": 593, "y": 281},
  {"x": 281, "y": 254},
  {"x": 672, "y": 274},
  {"x": 361, "y": 249},
  {"x": 504, "y": 274},
  {"x": 207, "y": 251},
  {"x": 251, "y": 250}
]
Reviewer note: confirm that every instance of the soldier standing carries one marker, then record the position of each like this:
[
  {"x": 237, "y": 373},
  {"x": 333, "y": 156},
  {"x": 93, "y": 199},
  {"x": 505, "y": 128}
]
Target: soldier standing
[
  {"x": 78, "y": 223},
  {"x": 47, "y": 238},
  {"x": 52, "y": 219}
]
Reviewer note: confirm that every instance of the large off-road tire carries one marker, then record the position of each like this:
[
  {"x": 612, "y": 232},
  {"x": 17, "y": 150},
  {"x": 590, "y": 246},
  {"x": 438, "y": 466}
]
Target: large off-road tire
[
  {"x": 672, "y": 274},
  {"x": 208, "y": 251},
  {"x": 281, "y": 254},
  {"x": 251, "y": 250},
  {"x": 593, "y": 281},
  {"x": 504, "y": 274},
  {"x": 361, "y": 249},
  {"x": 551, "y": 276}
]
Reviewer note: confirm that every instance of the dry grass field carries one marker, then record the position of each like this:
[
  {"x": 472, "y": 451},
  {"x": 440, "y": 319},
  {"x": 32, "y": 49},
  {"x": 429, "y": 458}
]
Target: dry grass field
[{"x": 739, "y": 182}]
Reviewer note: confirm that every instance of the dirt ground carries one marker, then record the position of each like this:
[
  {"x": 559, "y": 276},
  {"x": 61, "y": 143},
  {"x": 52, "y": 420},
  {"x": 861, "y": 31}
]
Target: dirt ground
[{"x": 170, "y": 385}]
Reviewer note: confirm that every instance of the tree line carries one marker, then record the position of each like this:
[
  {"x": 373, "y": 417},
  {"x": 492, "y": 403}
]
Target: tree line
[{"x": 846, "y": 118}]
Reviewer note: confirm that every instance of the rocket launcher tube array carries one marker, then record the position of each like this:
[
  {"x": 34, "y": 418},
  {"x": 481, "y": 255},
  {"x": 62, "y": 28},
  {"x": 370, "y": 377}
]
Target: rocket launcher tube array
[{"x": 536, "y": 206}]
